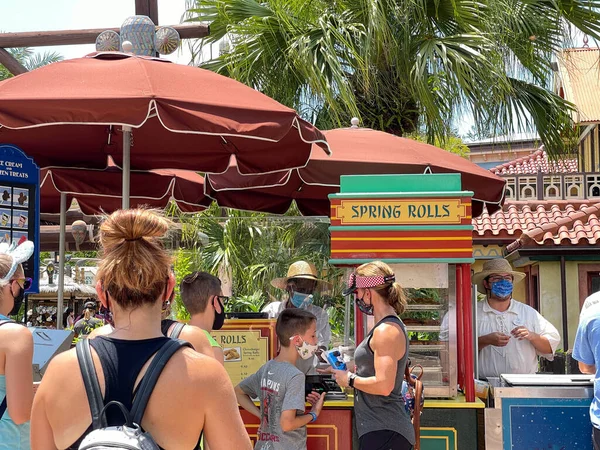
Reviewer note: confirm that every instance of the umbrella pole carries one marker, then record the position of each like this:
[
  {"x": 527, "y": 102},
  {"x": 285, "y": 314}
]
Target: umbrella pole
[
  {"x": 61, "y": 259},
  {"x": 126, "y": 166}
]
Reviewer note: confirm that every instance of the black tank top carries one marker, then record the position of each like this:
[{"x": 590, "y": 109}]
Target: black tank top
[
  {"x": 165, "y": 324},
  {"x": 121, "y": 360}
]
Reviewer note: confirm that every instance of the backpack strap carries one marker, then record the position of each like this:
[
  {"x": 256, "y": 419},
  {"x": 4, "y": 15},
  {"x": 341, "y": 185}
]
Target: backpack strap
[
  {"x": 150, "y": 378},
  {"x": 3, "y": 403},
  {"x": 90, "y": 381},
  {"x": 176, "y": 331}
]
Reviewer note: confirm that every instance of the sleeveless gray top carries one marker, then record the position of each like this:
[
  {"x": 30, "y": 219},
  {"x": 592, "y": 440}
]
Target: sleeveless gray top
[{"x": 377, "y": 412}]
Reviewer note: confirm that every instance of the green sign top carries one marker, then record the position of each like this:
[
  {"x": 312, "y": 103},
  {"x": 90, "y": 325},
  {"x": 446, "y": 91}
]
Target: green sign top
[{"x": 431, "y": 183}]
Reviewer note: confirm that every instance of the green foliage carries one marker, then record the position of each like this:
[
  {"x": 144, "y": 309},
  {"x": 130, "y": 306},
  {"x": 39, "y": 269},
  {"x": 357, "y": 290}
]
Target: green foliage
[
  {"x": 182, "y": 266},
  {"x": 29, "y": 59},
  {"x": 452, "y": 144},
  {"x": 404, "y": 66},
  {"x": 251, "y": 249}
]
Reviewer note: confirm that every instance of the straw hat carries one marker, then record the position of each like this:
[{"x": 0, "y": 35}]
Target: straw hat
[
  {"x": 495, "y": 266},
  {"x": 300, "y": 269}
]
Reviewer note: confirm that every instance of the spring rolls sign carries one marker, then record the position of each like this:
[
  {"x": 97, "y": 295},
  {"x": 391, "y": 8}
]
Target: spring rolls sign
[
  {"x": 19, "y": 205},
  {"x": 247, "y": 344}
]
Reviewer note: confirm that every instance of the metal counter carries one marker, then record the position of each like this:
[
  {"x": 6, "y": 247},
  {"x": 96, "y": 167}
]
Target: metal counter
[{"x": 540, "y": 412}]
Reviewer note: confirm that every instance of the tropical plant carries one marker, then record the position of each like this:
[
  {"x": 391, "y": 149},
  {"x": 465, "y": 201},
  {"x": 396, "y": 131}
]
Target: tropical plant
[
  {"x": 404, "y": 65},
  {"x": 250, "y": 249},
  {"x": 29, "y": 59}
]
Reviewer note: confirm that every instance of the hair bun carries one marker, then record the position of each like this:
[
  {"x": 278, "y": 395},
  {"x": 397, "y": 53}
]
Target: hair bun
[{"x": 132, "y": 225}]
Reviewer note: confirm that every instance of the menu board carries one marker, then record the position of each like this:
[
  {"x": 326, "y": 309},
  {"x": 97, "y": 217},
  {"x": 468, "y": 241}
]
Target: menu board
[
  {"x": 247, "y": 345},
  {"x": 19, "y": 205}
]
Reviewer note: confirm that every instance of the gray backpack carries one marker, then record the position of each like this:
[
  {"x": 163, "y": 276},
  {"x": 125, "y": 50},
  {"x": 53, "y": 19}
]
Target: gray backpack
[{"x": 128, "y": 436}]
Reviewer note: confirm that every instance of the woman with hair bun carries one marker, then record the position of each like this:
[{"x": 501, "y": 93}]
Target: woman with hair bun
[
  {"x": 193, "y": 394},
  {"x": 382, "y": 421}
]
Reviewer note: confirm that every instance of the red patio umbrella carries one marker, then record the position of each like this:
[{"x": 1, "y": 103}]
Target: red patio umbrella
[
  {"x": 355, "y": 151},
  {"x": 99, "y": 191},
  {"x": 148, "y": 113}
]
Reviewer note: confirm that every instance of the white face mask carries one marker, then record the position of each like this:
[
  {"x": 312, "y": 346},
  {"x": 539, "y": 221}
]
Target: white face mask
[{"x": 306, "y": 350}]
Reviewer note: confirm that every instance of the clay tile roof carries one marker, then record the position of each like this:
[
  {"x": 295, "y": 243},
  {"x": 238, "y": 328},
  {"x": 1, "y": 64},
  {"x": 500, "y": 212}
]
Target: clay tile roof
[
  {"x": 579, "y": 82},
  {"x": 536, "y": 162},
  {"x": 542, "y": 224}
]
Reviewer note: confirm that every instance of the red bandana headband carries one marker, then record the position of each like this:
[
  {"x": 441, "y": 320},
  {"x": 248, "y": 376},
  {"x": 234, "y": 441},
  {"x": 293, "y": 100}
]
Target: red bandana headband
[{"x": 359, "y": 282}]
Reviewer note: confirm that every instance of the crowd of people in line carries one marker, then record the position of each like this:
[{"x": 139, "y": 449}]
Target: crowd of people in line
[{"x": 135, "y": 285}]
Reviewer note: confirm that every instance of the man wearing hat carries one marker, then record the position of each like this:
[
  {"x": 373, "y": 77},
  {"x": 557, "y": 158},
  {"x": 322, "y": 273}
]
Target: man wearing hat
[
  {"x": 88, "y": 322},
  {"x": 300, "y": 284},
  {"x": 510, "y": 334}
]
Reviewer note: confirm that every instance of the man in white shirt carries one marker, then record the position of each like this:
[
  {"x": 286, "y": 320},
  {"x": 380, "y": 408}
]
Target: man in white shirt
[
  {"x": 300, "y": 284},
  {"x": 510, "y": 334}
]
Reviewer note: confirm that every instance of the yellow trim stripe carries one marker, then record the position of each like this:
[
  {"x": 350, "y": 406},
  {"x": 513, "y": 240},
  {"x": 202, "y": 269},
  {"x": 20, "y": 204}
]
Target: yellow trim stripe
[
  {"x": 407, "y": 250},
  {"x": 434, "y": 238},
  {"x": 407, "y": 223}
]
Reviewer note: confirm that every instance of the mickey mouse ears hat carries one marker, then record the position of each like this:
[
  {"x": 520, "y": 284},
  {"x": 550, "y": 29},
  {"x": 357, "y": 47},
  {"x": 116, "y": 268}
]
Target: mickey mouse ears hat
[{"x": 19, "y": 254}]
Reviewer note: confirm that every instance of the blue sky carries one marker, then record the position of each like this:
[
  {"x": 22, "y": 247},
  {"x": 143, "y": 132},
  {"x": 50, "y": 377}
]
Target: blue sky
[{"x": 42, "y": 15}]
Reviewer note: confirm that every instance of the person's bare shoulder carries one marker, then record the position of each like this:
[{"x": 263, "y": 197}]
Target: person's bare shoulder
[
  {"x": 197, "y": 371},
  {"x": 60, "y": 374},
  {"x": 197, "y": 337},
  {"x": 15, "y": 337},
  {"x": 102, "y": 331},
  {"x": 387, "y": 335}
]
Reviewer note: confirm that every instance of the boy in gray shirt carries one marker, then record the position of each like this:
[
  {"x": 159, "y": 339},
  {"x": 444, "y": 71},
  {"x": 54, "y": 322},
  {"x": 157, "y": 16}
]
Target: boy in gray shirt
[{"x": 279, "y": 386}]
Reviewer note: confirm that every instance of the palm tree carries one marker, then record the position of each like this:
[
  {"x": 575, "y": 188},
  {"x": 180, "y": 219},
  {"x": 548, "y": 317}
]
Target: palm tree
[
  {"x": 404, "y": 65},
  {"x": 30, "y": 60}
]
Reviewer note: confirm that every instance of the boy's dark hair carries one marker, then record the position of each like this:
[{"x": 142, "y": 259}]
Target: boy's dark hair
[
  {"x": 292, "y": 321},
  {"x": 196, "y": 289}
]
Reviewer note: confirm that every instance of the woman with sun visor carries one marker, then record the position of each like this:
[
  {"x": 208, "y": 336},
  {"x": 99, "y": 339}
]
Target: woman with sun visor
[{"x": 381, "y": 419}]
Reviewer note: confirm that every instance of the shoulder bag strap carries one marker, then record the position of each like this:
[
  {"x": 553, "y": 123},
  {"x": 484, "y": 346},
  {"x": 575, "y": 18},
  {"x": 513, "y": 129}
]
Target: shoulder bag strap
[
  {"x": 151, "y": 377},
  {"x": 176, "y": 331},
  {"x": 90, "y": 381},
  {"x": 3, "y": 403},
  {"x": 417, "y": 413}
]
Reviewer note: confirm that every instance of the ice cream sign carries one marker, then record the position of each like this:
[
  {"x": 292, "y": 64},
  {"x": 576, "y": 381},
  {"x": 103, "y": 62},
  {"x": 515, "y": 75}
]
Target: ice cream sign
[
  {"x": 13, "y": 169},
  {"x": 401, "y": 211},
  {"x": 19, "y": 204}
]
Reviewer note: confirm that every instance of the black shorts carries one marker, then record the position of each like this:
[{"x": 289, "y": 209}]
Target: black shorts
[
  {"x": 383, "y": 440},
  {"x": 596, "y": 438}
]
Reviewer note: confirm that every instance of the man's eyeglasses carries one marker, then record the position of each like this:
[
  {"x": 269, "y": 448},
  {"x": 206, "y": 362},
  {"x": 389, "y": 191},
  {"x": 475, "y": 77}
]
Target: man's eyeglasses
[{"x": 25, "y": 283}]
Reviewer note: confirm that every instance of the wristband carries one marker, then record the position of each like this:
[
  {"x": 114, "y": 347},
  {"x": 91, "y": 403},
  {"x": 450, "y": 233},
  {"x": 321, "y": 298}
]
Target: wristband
[
  {"x": 314, "y": 416},
  {"x": 351, "y": 377}
]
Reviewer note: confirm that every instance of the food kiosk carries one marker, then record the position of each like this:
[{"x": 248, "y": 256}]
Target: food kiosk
[{"x": 421, "y": 226}]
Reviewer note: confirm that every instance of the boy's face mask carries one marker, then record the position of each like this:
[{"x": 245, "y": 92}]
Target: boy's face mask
[{"x": 306, "y": 350}]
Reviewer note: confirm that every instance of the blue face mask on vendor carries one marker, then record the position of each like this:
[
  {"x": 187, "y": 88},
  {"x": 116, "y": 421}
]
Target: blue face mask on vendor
[
  {"x": 502, "y": 289},
  {"x": 300, "y": 300}
]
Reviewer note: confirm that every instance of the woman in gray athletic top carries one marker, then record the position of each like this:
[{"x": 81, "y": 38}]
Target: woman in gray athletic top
[{"x": 381, "y": 418}]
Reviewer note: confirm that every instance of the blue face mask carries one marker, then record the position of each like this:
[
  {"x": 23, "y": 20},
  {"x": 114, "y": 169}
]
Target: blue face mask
[
  {"x": 502, "y": 289},
  {"x": 300, "y": 300}
]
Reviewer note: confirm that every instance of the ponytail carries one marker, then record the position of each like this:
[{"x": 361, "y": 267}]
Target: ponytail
[{"x": 396, "y": 297}]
